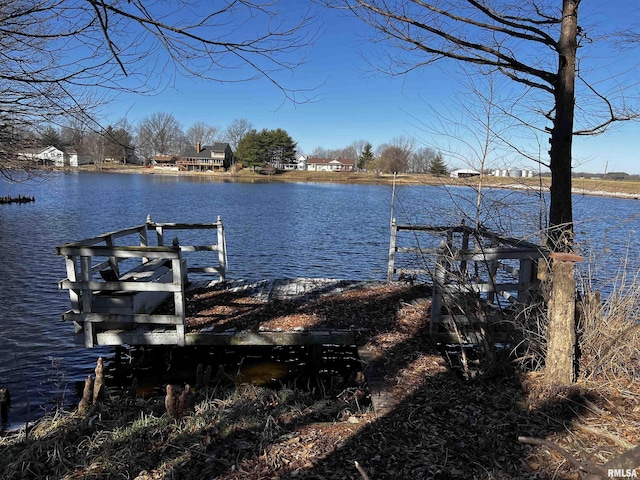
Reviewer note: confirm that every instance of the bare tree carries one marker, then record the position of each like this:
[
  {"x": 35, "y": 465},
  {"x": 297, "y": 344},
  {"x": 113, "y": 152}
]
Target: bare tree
[
  {"x": 535, "y": 44},
  {"x": 61, "y": 58},
  {"x": 95, "y": 146},
  {"x": 74, "y": 134},
  {"x": 159, "y": 134},
  {"x": 394, "y": 157},
  {"x": 420, "y": 159},
  {"x": 202, "y": 133},
  {"x": 236, "y": 131},
  {"x": 349, "y": 152}
]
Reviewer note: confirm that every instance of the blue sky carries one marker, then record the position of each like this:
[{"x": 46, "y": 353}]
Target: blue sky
[{"x": 351, "y": 102}]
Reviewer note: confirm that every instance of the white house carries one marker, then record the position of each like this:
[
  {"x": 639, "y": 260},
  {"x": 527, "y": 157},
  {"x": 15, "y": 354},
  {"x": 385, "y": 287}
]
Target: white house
[
  {"x": 301, "y": 162},
  {"x": 328, "y": 165},
  {"x": 51, "y": 156},
  {"x": 58, "y": 158},
  {"x": 464, "y": 173}
]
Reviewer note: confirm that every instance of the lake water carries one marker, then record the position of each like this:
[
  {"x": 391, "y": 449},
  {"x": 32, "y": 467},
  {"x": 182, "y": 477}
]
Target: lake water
[{"x": 274, "y": 230}]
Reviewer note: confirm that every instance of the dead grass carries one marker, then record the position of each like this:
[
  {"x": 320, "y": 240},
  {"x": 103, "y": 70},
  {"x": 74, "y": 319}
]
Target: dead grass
[
  {"x": 610, "y": 332},
  {"x": 438, "y": 428}
]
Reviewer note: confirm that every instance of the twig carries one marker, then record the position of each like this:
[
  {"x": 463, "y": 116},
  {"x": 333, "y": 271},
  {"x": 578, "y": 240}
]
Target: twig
[{"x": 361, "y": 470}]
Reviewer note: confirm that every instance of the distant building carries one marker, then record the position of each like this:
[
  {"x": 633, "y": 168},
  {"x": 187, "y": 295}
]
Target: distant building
[
  {"x": 165, "y": 161},
  {"x": 513, "y": 172},
  {"x": 206, "y": 158},
  {"x": 328, "y": 165},
  {"x": 616, "y": 176},
  {"x": 301, "y": 162},
  {"x": 53, "y": 156},
  {"x": 464, "y": 173}
]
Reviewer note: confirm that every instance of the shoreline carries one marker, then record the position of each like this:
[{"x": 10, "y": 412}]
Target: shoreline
[{"x": 625, "y": 189}]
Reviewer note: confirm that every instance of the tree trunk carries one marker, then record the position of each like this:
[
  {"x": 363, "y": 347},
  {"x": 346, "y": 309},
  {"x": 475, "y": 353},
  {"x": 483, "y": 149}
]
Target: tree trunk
[
  {"x": 561, "y": 336},
  {"x": 560, "y": 211}
]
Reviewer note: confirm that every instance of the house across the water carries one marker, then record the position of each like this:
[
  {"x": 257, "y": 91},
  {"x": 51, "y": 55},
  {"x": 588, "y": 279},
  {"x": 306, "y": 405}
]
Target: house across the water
[
  {"x": 53, "y": 156},
  {"x": 206, "y": 158},
  {"x": 464, "y": 173},
  {"x": 328, "y": 165}
]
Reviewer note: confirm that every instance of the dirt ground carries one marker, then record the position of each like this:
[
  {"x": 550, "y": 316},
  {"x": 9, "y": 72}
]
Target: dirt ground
[{"x": 436, "y": 425}]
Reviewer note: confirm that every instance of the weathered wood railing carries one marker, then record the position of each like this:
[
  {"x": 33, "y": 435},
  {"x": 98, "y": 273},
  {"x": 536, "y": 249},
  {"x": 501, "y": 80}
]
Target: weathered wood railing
[
  {"x": 460, "y": 261},
  {"x": 104, "y": 298}
]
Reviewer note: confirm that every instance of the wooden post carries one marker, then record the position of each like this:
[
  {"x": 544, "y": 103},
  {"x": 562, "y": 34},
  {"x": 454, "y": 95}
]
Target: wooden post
[
  {"x": 439, "y": 282},
  {"x": 72, "y": 275},
  {"x": 222, "y": 250},
  {"x": 524, "y": 280},
  {"x": 159, "y": 231},
  {"x": 493, "y": 271},
  {"x": 113, "y": 261},
  {"x": 178, "y": 296},
  {"x": 87, "y": 299},
  {"x": 392, "y": 250},
  {"x": 561, "y": 336},
  {"x": 464, "y": 248},
  {"x": 143, "y": 237}
]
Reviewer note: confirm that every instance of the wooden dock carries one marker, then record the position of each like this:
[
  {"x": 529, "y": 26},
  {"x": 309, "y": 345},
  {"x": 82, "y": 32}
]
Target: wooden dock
[{"x": 126, "y": 289}]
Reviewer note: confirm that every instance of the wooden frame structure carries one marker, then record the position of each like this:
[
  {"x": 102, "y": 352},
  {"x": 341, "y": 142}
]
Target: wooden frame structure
[
  {"x": 103, "y": 298},
  {"x": 468, "y": 262}
]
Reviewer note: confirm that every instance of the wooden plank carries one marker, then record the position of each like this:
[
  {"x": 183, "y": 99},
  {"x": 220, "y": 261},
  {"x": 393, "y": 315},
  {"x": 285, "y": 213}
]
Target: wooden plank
[
  {"x": 185, "y": 226},
  {"x": 337, "y": 337},
  {"x": 120, "y": 251},
  {"x": 123, "y": 286},
  {"x": 102, "y": 238},
  {"x": 140, "y": 318},
  {"x": 136, "y": 337},
  {"x": 170, "y": 337},
  {"x": 424, "y": 251}
]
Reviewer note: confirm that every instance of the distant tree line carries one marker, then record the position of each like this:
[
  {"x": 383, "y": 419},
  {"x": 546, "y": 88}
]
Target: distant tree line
[
  {"x": 162, "y": 134},
  {"x": 400, "y": 155}
]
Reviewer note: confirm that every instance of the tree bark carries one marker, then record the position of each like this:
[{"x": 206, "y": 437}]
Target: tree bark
[
  {"x": 561, "y": 336},
  {"x": 560, "y": 210}
]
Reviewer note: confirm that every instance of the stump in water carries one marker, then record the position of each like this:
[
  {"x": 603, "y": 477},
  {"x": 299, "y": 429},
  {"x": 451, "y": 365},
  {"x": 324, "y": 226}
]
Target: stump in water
[
  {"x": 19, "y": 199},
  {"x": 5, "y": 404}
]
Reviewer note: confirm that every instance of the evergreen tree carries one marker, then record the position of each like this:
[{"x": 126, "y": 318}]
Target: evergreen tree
[
  {"x": 274, "y": 147},
  {"x": 438, "y": 167},
  {"x": 366, "y": 157},
  {"x": 51, "y": 136}
]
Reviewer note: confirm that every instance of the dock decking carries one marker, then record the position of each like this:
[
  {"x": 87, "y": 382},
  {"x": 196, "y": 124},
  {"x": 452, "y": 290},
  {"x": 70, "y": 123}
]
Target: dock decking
[{"x": 300, "y": 311}]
